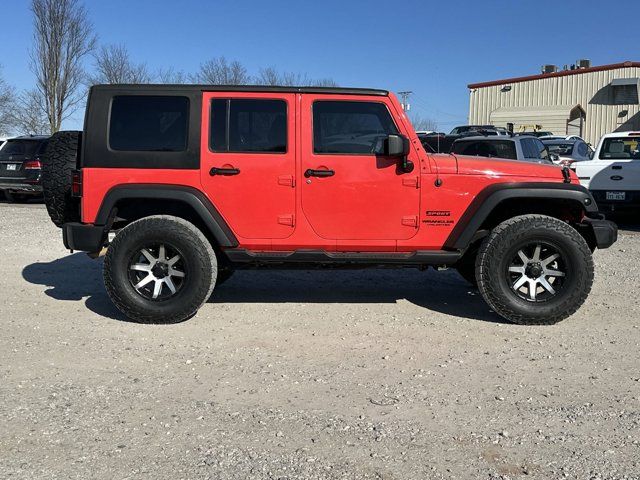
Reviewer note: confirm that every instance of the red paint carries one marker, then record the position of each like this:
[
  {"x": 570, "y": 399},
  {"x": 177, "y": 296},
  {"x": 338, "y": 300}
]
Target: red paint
[{"x": 368, "y": 205}]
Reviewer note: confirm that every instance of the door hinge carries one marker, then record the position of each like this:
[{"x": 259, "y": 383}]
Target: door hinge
[
  {"x": 287, "y": 220},
  {"x": 287, "y": 180},
  {"x": 411, "y": 182},
  {"x": 411, "y": 221}
]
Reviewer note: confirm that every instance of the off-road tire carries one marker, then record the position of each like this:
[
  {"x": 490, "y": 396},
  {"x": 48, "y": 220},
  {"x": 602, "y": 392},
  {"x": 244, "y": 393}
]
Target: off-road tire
[
  {"x": 200, "y": 264},
  {"x": 58, "y": 162},
  {"x": 493, "y": 260}
]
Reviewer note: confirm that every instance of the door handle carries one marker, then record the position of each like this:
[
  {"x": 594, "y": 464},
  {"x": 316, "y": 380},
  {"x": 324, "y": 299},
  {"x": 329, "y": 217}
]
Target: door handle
[
  {"x": 224, "y": 171},
  {"x": 318, "y": 173}
]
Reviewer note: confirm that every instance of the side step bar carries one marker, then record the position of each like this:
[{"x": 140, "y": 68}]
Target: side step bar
[{"x": 319, "y": 258}]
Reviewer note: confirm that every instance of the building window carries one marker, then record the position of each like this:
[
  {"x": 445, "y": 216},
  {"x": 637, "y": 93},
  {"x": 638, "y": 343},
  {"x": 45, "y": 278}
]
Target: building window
[{"x": 625, "y": 91}]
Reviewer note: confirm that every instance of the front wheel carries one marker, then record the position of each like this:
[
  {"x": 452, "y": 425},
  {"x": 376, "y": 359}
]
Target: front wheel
[
  {"x": 534, "y": 270},
  {"x": 160, "y": 269}
]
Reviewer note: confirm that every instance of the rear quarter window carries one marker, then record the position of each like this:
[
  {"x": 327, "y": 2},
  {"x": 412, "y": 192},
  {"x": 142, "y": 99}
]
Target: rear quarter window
[{"x": 149, "y": 123}]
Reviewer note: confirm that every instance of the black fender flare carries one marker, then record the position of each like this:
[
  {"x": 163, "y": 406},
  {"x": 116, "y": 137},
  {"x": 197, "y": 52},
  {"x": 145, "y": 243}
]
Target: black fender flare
[
  {"x": 189, "y": 195},
  {"x": 490, "y": 197}
]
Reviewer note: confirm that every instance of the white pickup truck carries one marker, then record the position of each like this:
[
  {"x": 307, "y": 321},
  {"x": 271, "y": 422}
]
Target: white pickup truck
[{"x": 613, "y": 175}]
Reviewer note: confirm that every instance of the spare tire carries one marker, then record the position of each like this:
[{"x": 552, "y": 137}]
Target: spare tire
[{"x": 58, "y": 162}]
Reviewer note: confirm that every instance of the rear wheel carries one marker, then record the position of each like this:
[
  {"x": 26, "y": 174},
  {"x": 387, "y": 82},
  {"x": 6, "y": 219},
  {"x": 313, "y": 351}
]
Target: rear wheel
[
  {"x": 58, "y": 163},
  {"x": 534, "y": 270},
  {"x": 160, "y": 269}
]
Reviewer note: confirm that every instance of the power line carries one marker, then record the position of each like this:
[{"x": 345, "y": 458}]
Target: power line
[{"x": 405, "y": 97}]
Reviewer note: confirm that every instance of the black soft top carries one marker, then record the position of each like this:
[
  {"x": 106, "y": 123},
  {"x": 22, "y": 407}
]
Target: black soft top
[{"x": 238, "y": 88}]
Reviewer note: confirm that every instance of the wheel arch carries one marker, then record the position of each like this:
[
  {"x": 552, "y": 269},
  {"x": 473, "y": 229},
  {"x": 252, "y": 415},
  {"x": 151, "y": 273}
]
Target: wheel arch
[
  {"x": 499, "y": 202},
  {"x": 126, "y": 203}
]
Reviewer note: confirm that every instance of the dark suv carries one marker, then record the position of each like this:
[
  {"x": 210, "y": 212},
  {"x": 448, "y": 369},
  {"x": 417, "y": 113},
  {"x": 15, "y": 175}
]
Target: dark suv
[{"x": 20, "y": 167}]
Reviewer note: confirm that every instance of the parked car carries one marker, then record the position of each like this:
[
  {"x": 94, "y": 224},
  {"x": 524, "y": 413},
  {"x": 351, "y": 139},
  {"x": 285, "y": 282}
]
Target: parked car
[
  {"x": 613, "y": 175},
  {"x": 20, "y": 167},
  {"x": 184, "y": 184},
  {"x": 441, "y": 143},
  {"x": 568, "y": 151},
  {"x": 528, "y": 149}
]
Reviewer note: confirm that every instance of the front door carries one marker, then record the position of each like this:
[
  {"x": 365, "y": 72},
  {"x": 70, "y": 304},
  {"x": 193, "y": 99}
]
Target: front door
[
  {"x": 248, "y": 161},
  {"x": 349, "y": 192}
]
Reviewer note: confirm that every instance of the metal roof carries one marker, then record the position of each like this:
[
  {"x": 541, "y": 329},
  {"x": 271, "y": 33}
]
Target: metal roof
[{"x": 562, "y": 73}]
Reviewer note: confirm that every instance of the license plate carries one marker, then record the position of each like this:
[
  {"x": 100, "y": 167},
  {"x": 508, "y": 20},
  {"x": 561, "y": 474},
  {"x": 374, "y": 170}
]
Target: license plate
[
  {"x": 12, "y": 166},
  {"x": 616, "y": 195}
]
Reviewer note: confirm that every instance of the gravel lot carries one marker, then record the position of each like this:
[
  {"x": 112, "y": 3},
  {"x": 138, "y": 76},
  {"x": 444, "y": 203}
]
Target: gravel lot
[{"x": 375, "y": 374}]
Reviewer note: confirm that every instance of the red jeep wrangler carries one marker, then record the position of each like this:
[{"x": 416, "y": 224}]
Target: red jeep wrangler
[{"x": 184, "y": 184}]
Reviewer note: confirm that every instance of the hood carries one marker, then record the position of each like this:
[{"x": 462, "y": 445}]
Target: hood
[{"x": 504, "y": 167}]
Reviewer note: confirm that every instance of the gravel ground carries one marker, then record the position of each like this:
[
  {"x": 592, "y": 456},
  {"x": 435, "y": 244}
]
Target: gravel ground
[{"x": 376, "y": 374}]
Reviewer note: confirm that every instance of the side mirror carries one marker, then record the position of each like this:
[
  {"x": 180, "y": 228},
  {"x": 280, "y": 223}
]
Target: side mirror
[{"x": 396, "y": 146}]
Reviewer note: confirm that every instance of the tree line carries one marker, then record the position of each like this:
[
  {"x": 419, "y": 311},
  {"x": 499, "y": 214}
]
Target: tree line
[{"x": 63, "y": 41}]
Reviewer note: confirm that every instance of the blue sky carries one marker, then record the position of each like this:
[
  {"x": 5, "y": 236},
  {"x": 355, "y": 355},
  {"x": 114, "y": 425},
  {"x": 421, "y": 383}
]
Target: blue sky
[{"x": 432, "y": 48}]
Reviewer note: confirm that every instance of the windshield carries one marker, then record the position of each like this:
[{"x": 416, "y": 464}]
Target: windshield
[
  {"x": 560, "y": 148},
  {"x": 499, "y": 149},
  {"x": 20, "y": 147},
  {"x": 620, "y": 148}
]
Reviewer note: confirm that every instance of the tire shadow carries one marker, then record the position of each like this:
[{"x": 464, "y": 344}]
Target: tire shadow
[{"x": 77, "y": 277}]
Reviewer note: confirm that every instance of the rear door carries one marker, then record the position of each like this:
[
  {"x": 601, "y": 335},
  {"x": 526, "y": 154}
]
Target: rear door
[
  {"x": 248, "y": 161},
  {"x": 361, "y": 196}
]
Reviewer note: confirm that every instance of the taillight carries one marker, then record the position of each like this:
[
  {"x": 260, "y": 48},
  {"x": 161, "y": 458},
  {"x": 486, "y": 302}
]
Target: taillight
[
  {"x": 33, "y": 165},
  {"x": 76, "y": 183}
]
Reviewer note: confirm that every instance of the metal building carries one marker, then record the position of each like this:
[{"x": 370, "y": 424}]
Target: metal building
[{"x": 581, "y": 100}]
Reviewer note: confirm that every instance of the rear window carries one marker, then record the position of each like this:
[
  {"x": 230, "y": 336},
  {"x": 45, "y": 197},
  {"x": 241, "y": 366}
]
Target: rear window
[
  {"x": 248, "y": 126},
  {"x": 149, "y": 123},
  {"x": 480, "y": 148},
  {"x": 619, "y": 148},
  {"x": 21, "y": 147},
  {"x": 561, "y": 148}
]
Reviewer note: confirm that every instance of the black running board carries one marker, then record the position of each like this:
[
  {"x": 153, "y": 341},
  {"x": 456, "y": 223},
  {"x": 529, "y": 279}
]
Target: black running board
[{"x": 321, "y": 258}]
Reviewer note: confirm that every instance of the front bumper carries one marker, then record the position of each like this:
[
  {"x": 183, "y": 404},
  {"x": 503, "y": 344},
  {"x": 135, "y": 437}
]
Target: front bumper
[
  {"x": 83, "y": 237},
  {"x": 604, "y": 233}
]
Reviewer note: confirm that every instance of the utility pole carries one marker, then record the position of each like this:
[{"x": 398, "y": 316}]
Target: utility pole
[{"x": 405, "y": 96}]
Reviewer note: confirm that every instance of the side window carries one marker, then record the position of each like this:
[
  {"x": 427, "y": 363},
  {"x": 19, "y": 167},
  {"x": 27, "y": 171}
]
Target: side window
[
  {"x": 248, "y": 126},
  {"x": 351, "y": 128},
  {"x": 542, "y": 151},
  {"x": 583, "y": 150},
  {"x": 149, "y": 123},
  {"x": 528, "y": 149}
]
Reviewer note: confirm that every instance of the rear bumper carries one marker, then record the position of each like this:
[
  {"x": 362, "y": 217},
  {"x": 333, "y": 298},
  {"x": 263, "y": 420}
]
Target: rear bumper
[
  {"x": 605, "y": 232},
  {"x": 20, "y": 187},
  {"x": 83, "y": 237}
]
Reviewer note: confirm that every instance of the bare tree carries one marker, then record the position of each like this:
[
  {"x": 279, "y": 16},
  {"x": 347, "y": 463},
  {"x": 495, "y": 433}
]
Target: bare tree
[
  {"x": 7, "y": 106},
  {"x": 169, "y": 75},
  {"x": 423, "y": 124},
  {"x": 63, "y": 36},
  {"x": 271, "y": 76},
  {"x": 113, "y": 65},
  {"x": 28, "y": 116},
  {"x": 218, "y": 71}
]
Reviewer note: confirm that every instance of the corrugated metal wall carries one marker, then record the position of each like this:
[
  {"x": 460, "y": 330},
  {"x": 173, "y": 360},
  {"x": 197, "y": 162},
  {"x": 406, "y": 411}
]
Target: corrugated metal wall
[{"x": 590, "y": 90}]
